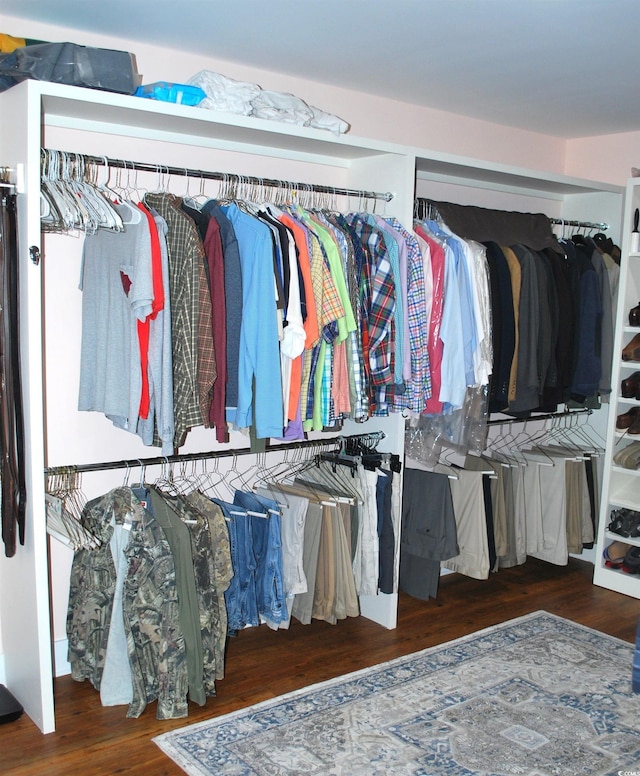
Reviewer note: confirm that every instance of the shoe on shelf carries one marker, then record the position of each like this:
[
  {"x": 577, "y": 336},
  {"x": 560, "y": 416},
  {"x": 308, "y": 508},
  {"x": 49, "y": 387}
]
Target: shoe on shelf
[
  {"x": 614, "y": 554},
  {"x": 630, "y": 387},
  {"x": 634, "y": 428},
  {"x": 624, "y": 522},
  {"x": 631, "y": 351},
  {"x": 627, "y": 418},
  {"x": 634, "y": 315},
  {"x": 629, "y": 456},
  {"x": 631, "y": 562}
]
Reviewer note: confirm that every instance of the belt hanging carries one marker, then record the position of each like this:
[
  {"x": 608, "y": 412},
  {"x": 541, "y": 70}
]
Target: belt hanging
[{"x": 14, "y": 495}]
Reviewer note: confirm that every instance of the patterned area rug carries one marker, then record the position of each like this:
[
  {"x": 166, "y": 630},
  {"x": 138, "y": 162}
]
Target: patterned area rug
[{"x": 535, "y": 696}]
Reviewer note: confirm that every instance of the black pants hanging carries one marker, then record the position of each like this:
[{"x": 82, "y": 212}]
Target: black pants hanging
[{"x": 14, "y": 494}]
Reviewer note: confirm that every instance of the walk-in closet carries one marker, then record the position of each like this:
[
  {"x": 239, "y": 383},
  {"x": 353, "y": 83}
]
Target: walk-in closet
[{"x": 500, "y": 475}]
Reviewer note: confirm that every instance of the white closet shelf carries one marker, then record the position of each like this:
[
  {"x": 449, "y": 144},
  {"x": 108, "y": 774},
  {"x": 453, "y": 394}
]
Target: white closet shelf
[
  {"x": 628, "y": 472},
  {"x": 471, "y": 172},
  {"x": 616, "y": 502},
  {"x": 614, "y": 537},
  {"x": 74, "y": 107},
  {"x": 83, "y": 109}
]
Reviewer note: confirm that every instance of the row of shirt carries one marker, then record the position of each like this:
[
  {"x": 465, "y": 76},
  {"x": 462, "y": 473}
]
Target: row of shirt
[
  {"x": 287, "y": 320},
  {"x": 283, "y": 320},
  {"x": 535, "y": 326}
]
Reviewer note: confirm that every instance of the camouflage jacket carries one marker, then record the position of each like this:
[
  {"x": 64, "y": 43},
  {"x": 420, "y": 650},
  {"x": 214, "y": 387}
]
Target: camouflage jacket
[
  {"x": 150, "y": 606},
  {"x": 212, "y": 569}
]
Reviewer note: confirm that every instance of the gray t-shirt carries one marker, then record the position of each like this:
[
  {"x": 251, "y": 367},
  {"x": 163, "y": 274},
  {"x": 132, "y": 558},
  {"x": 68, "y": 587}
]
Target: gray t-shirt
[{"x": 117, "y": 291}]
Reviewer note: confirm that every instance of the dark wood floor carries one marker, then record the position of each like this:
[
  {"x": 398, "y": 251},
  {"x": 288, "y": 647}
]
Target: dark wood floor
[{"x": 91, "y": 740}]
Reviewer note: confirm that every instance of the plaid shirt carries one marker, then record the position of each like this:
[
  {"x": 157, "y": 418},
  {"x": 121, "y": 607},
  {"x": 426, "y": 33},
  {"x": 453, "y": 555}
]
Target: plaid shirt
[
  {"x": 419, "y": 387},
  {"x": 357, "y": 362},
  {"x": 186, "y": 257},
  {"x": 392, "y": 251},
  {"x": 311, "y": 359},
  {"x": 327, "y": 413},
  {"x": 207, "y": 368},
  {"x": 333, "y": 309},
  {"x": 379, "y": 323}
]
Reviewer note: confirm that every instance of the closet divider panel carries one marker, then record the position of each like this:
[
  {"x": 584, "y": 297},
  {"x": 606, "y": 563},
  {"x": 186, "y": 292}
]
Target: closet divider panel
[
  {"x": 383, "y": 608},
  {"x": 25, "y": 631}
]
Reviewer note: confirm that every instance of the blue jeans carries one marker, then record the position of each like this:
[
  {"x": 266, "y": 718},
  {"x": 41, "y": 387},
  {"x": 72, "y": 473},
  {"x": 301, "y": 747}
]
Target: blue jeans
[
  {"x": 267, "y": 550},
  {"x": 240, "y": 596}
]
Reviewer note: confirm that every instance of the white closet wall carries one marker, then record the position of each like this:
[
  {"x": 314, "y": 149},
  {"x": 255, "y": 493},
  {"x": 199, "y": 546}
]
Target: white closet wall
[{"x": 34, "y": 114}]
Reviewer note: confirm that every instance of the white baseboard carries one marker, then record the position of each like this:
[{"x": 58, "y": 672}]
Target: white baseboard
[
  {"x": 588, "y": 555},
  {"x": 61, "y": 665}
]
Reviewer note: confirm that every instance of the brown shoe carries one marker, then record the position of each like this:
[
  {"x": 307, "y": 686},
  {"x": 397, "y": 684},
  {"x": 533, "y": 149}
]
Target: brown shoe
[
  {"x": 627, "y": 419},
  {"x": 634, "y": 315},
  {"x": 634, "y": 427},
  {"x": 631, "y": 351},
  {"x": 630, "y": 388}
]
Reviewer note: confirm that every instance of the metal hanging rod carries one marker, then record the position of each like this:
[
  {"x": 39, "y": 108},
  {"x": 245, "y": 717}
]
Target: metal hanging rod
[
  {"x": 160, "y": 460},
  {"x": 424, "y": 204},
  {"x": 164, "y": 169},
  {"x": 602, "y": 227},
  {"x": 546, "y": 416}
]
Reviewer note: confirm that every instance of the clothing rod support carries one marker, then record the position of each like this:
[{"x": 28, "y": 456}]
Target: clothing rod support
[
  {"x": 132, "y": 463},
  {"x": 163, "y": 169},
  {"x": 547, "y": 416}
]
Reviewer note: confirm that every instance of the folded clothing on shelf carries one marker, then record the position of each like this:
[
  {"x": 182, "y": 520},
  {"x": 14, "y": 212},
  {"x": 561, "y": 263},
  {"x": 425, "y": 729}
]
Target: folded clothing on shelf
[{"x": 248, "y": 99}]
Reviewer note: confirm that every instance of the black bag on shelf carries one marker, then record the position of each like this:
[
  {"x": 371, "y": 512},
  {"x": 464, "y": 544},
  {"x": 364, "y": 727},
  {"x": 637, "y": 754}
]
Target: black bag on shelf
[{"x": 69, "y": 63}]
